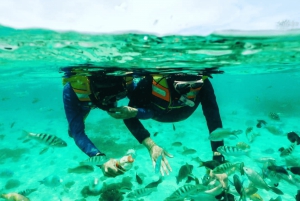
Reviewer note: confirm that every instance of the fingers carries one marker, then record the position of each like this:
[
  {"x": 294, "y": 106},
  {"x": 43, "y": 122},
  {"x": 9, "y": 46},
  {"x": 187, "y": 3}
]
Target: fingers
[
  {"x": 111, "y": 170},
  {"x": 168, "y": 154},
  {"x": 115, "y": 115}
]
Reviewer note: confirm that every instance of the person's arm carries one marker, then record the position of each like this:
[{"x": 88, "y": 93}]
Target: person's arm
[
  {"x": 211, "y": 111},
  {"x": 75, "y": 114}
]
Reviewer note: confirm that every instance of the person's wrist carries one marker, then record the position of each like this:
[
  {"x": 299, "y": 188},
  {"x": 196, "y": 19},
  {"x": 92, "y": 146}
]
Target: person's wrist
[
  {"x": 148, "y": 143},
  {"x": 133, "y": 112}
]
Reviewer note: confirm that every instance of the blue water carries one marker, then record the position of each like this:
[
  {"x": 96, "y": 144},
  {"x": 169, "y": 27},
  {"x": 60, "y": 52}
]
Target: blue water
[{"x": 31, "y": 99}]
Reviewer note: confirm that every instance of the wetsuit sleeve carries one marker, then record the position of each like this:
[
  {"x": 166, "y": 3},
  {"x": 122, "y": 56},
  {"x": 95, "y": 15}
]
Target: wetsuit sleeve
[
  {"x": 211, "y": 111},
  {"x": 75, "y": 113},
  {"x": 141, "y": 99}
]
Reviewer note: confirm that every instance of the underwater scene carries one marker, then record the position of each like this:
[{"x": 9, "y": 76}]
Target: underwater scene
[{"x": 256, "y": 80}]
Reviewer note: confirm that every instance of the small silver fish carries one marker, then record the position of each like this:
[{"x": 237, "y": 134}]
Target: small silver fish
[
  {"x": 52, "y": 181},
  {"x": 221, "y": 133},
  {"x": 188, "y": 151}
]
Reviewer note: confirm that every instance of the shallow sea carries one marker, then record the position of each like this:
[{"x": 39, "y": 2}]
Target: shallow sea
[{"x": 261, "y": 75}]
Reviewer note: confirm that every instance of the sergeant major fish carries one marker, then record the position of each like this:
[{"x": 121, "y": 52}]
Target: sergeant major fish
[
  {"x": 47, "y": 139},
  {"x": 232, "y": 151},
  {"x": 186, "y": 191},
  {"x": 141, "y": 192},
  {"x": 94, "y": 160}
]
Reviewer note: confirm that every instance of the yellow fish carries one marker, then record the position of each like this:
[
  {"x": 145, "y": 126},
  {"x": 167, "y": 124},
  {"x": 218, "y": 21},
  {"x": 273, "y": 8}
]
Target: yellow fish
[
  {"x": 256, "y": 197},
  {"x": 14, "y": 197}
]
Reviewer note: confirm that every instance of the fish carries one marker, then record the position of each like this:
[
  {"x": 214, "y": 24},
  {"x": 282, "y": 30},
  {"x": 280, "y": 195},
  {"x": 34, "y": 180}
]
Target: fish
[
  {"x": 265, "y": 159},
  {"x": 242, "y": 145},
  {"x": 248, "y": 130},
  {"x": 294, "y": 170},
  {"x": 287, "y": 151},
  {"x": 274, "y": 129},
  {"x": 186, "y": 191},
  {"x": 209, "y": 164},
  {"x": 276, "y": 199},
  {"x": 232, "y": 151},
  {"x": 221, "y": 133},
  {"x": 183, "y": 173},
  {"x": 154, "y": 184},
  {"x": 51, "y": 181},
  {"x": 81, "y": 169},
  {"x": 258, "y": 181},
  {"x": 94, "y": 160},
  {"x": 268, "y": 151},
  {"x": 141, "y": 192},
  {"x": 28, "y": 191},
  {"x": 252, "y": 137},
  {"x": 228, "y": 168},
  {"x": 278, "y": 169},
  {"x": 188, "y": 151},
  {"x": 6, "y": 173},
  {"x": 260, "y": 123},
  {"x": 158, "y": 164},
  {"x": 176, "y": 144},
  {"x": 14, "y": 197},
  {"x": 298, "y": 196},
  {"x": 138, "y": 179},
  {"x": 238, "y": 185},
  {"x": 47, "y": 139},
  {"x": 293, "y": 137},
  {"x": 250, "y": 190},
  {"x": 255, "y": 197},
  {"x": 274, "y": 116},
  {"x": 155, "y": 134},
  {"x": 174, "y": 129}
]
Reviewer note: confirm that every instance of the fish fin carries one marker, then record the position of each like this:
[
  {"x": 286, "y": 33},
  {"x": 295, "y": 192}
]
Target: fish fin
[
  {"x": 276, "y": 190},
  {"x": 44, "y": 150},
  {"x": 24, "y": 136}
]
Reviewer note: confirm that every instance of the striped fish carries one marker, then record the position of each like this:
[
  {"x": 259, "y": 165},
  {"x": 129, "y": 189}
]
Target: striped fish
[
  {"x": 47, "y": 139},
  {"x": 288, "y": 151},
  {"x": 227, "y": 168},
  {"x": 186, "y": 191},
  {"x": 94, "y": 160},
  {"x": 141, "y": 192},
  {"x": 232, "y": 151},
  {"x": 28, "y": 191}
]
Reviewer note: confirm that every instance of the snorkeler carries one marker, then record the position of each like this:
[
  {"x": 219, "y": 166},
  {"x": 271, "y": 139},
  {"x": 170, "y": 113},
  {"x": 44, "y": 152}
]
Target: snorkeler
[
  {"x": 170, "y": 98},
  {"x": 82, "y": 93}
]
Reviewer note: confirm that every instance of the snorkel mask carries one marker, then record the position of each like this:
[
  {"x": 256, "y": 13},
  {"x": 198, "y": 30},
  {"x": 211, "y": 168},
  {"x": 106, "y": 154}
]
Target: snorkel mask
[
  {"x": 184, "y": 84},
  {"x": 106, "y": 90}
]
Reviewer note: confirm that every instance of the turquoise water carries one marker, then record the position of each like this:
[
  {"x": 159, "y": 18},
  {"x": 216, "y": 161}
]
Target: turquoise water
[{"x": 261, "y": 75}]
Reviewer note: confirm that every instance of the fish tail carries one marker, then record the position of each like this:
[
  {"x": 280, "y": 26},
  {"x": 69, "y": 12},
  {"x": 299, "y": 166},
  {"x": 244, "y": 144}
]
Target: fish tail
[
  {"x": 276, "y": 190},
  {"x": 24, "y": 136},
  {"x": 200, "y": 163}
]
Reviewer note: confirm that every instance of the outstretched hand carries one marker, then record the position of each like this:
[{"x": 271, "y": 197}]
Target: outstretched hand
[
  {"x": 124, "y": 112},
  {"x": 159, "y": 160},
  {"x": 110, "y": 168}
]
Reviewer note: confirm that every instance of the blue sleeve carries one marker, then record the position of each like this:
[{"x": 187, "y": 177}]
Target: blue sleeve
[
  {"x": 75, "y": 113},
  {"x": 144, "y": 113}
]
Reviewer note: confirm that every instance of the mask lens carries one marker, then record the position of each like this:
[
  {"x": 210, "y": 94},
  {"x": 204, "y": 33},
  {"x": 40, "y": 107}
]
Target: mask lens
[{"x": 196, "y": 85}]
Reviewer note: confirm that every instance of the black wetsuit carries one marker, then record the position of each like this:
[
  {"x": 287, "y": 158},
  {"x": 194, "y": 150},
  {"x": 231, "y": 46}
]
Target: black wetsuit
[{"x": 142, "y": 97}]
